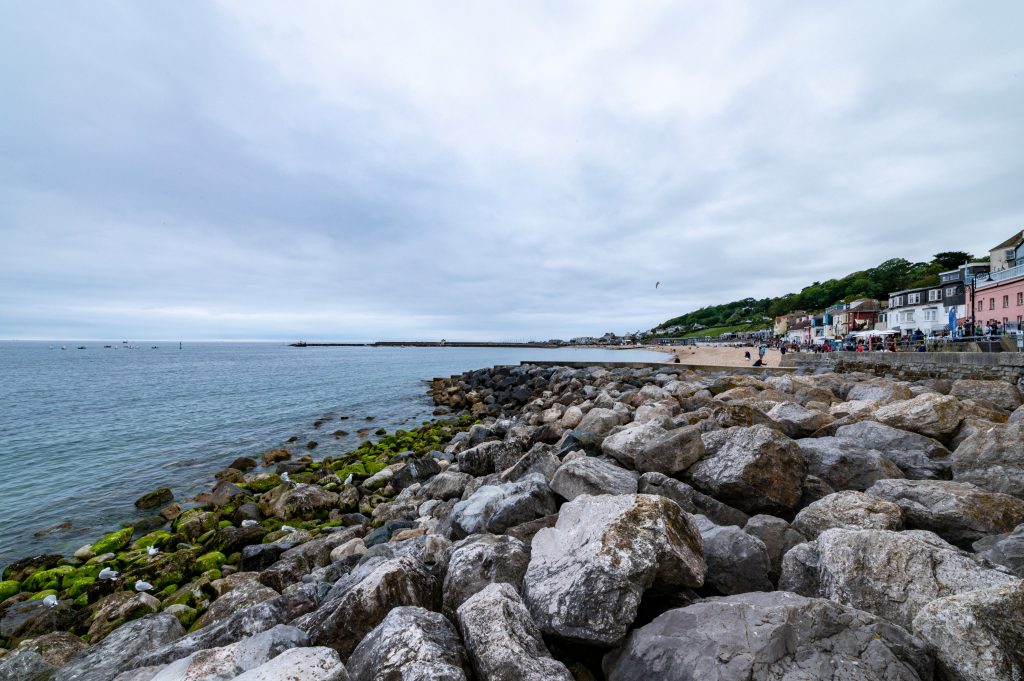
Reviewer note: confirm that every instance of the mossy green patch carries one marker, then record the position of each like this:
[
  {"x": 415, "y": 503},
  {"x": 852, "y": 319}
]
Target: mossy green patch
[
  {"x": 262, "y": 485},
  {"x": 113, "y": 542},
  {"x": 46, "y": 579},
  {"x": 42, "y": 594},
  {"x": 151, "y": 539},
  {"x": 75, "y": 587},
  {"x": 9, "y": 588},
  {"x": 210, "y": 561}
]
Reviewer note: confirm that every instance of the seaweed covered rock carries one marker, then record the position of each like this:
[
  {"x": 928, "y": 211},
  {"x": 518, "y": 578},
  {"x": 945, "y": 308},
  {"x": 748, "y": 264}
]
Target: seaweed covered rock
[
  {"x": 154, "y": 499},
  {"x": 765, "y": 637},
  {"x": 297, "y": 501},
  {"x": 588, "y": 573}
]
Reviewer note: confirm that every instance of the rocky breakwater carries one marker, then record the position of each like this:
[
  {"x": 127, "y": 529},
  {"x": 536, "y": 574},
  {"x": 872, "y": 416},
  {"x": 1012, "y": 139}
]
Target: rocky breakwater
[{"x": 579, "y": 524}]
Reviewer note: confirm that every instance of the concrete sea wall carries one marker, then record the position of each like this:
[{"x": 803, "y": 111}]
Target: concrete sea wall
[{"x": 1007, "y": 366}]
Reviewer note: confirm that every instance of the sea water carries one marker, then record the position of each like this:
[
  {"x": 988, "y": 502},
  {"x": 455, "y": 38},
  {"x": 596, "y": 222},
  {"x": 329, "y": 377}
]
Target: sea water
[{"x": 83, "y": 433}]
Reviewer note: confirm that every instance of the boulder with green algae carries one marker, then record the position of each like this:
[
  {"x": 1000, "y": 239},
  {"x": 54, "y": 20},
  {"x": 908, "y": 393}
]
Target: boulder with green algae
[
  {"x": 210, "y": 561},
  {"x": 43, "y": 594},
  {"x": 157, "y": 497},
  {"x": 47, "y": 579},
  {"x": 262, "y": 482},
  {"x": 151, "y": 539},
  {"x": 185, "y": 614},
  {"x": 164, "y": 569},
  {"x": 113, "y": 542},
  {"x": 194, "y": 523},
  {"x": 9, "y": 588}
]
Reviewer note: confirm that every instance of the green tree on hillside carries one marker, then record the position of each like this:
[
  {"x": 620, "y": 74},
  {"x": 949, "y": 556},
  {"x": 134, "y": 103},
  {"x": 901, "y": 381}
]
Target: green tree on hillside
[{"x": 950, "y": 260}]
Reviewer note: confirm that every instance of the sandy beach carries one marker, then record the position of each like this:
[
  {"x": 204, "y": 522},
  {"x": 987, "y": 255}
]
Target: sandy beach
[{"x": 724, "y": 356}]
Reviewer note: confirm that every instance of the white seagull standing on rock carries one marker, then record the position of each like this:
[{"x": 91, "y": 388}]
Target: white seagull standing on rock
[
  {"x": 51, "y": 601},
  {"x": 107, "y": 573},
  {"x": 152, "y": 550},
  {"x": 143, "y": 586},
  {"x": 249, "y": 523},
  {"x": 285, "y": 478},
  {"x": 287, "y": 528}
]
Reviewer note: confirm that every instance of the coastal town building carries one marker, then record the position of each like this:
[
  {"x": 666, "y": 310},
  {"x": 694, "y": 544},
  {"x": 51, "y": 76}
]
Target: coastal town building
[
  {"x": 1008, "y": 254},
  {"x": 999, "y": 299},
  {"x": 857, "y": 315},
  {"x": 783, "y": 322},
  {"x": 929, "y": 309}
]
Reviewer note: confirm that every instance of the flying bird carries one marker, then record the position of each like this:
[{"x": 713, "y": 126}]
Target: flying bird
[
  {"x": 107, "y": 573},
  {"x": 657, "y": 284},
  {"x": 143, "y": 586}
]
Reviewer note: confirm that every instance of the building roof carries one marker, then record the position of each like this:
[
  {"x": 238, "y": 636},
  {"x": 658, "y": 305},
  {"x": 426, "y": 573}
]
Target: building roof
[{"x": 1012, "y": 241}]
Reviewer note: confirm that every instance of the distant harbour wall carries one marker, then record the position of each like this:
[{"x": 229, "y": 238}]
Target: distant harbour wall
[{"x": 1007, "y": 366}]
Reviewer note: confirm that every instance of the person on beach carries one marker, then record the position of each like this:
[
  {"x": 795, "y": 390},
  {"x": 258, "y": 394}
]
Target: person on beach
[
  {"x": 746, "y": 355},
  {"x": 760, "y": 352}
]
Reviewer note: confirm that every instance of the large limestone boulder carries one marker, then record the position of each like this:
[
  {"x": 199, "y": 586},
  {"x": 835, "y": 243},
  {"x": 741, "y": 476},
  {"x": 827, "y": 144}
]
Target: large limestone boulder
[
  {"x": 479, "y": 560},
  {"x": 918, "y": 456},
  {"x": 993, "y": 459},
  {"x": 796, "y": 420},
  {"x": 959, "y": 512},
  {"x": 227, "y": 662},
  {"x": 879, "y": 390},
  {"x": 889, "y": 574},
  {"x": 122, "y": 648},
  {"x": 755, "y": 469},
  {"x": 245, "y": 595},
  {"x": 929, "y": 414},
  {"x": 844, "y": 465},
  {"x": 587, "y": 475},
  {"x": 848, "y": 510},
  {"x": 672, "y": 452},
  {"x": 289, "y": 501},
  {"x": 300, "y": 664},
  {"x": 492, "y": 509},
  {"x": 503, "y": 641},
  {"x": 737, "y": 561},
  {"x": 599, "y": 421},
  {"x": 1005, "y": 549},
  {"x": 690, "y": 500},
  {"x": 778, "y": 537},
  {"x": 768, "y": 637},
  {"x": 411, "y": 643},
  {"x": 1002, "y": 394},
  {"x": 343, "y": 620},
  {"x": 588, "y": 573},
  {"x": 626, "y": 444},
  {"x": 976, "y": 636}
]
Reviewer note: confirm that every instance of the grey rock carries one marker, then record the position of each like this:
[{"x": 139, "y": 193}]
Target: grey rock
[
  {"x": 1006, "y": 550},
  {"x": 755, "y": 469},
  {"x": 446, "y": 485},
  {"x": 690, "y": 500},
  {"x": 302, "y": 559},
  {"x": 341, "y": 622},
  {"x": 778, "y": 537},
  {"x": 227, "y": 662},
  {"x": 300, "y": 664},
  {"x": 495, "y": 508},
  {"x": 298, "y": 500},
  {"x": 599, "y": 422},
  {"x": 929, "y": 414},
  {"x": 122, "y": 648},
  {"x": 503, "y": 642},
  {"x": 588, "y": 573},
  {"x": 587, "y": 475},
  {"x": 768, "y": 637},
  {"x": 796, "y": 420},
  {"x": 918, "y": 456},
  {"x": 625, "y": 444},
  {"x": 878, "y": 391},
  {"x": 479, "y": 460},
  {"x": 737, "y": 562},
  {"x": 57, "y": 648},
  {"x": 848, "y": 510},
  {"x": 993, "y": 459},
  {"x": 671, "y": 453},
  {"x": 976, "y": 636},
  {"x": 25, "y": 665},
  {"x": 415, "y": 471},
  {"x": 245, "y": 595},
  {"x": 411, "y": 643},
  {"x": 959, "y": 512},
  {"x": 541, "y": 459},
  {"x": 479, "y": 560},
  {"x": 1002, "y": 394},
  {"x": 844, "y": 465},
  {"x": 889, "y": 574}
]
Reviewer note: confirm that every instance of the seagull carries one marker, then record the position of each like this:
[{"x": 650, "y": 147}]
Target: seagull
[
  {"x": 287, "y": 528},
  {"x": 143, "y": 586},
  {"x": 51, "y": 601},
  {"x": 657, "y": 284},
  {"x": 249, "y": 523},
  {"x": 348, "y": 480},
  {"x": 107, "y": 573},
  {"x": 285, "y": 478},
  {"x": 152, "y": 550}
]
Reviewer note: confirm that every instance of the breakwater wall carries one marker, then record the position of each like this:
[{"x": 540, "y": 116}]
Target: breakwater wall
[{"x": 1007, "y": 366}]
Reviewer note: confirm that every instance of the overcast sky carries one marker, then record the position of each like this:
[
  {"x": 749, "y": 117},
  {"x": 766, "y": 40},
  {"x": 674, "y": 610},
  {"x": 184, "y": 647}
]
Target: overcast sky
[{"x": 506, "y": 170}]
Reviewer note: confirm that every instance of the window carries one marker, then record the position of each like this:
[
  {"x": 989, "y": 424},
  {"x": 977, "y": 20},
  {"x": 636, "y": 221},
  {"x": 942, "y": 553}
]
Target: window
[
  {"x": 896, "y": 302},
  {"x": 991, "y": 303},
  {"x": 908, "y": 316},
  {"x": 951, "y": 291},
  {"x": 929, "y": 315},
  {"x": 981, "y": 305},
  {"x": 1006, "y": 301},
  {"x": 1020, "y": 298},
  {"x": 913, "y": 298},
  {"x": 934, "y": 294}
]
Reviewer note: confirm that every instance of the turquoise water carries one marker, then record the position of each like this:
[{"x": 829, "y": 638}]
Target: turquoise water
[{"x": 83, "y": 433}]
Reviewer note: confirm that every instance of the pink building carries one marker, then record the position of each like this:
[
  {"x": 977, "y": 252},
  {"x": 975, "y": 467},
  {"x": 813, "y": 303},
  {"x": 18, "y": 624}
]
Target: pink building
[{"x": 999, "y": 297}]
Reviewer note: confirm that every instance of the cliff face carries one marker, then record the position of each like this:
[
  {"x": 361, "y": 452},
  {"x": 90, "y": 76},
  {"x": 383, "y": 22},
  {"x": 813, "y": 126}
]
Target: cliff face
[{"x": 579, "y": 524}]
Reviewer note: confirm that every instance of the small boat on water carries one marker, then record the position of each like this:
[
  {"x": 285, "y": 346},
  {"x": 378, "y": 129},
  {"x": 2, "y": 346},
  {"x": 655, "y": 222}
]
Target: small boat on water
[
  {"x": 80, "y": 347},
  {"x": 155, "y": 347}
]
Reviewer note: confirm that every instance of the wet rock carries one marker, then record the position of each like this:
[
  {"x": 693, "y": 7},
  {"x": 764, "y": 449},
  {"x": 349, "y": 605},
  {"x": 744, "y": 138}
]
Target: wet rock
[
  {"x": 1006, "y": 550},
  {"x": 929, "y": 414},
  {"x": 300, "y": 664},
  {"x": 495, "y": 508},
  {"x": 768, "y": 637},
  {"x": 243, "y": 463},
  {"x": 737, "y": 562},
  {"x": 261, "y": 556},
  {"x": 57, "y": 648},
  {"x": 690, "y": 500},
  {"x": 479, "y": 560},
  {"x": 588, "y": 475},
  {"x": 411, "y": 643},
  {"x": 343, "y": 620},
  {"x": 918, "y": 456},
  {"x": 976, "y": 636},
  {"x": 275, "y": 455},
  {"x": 755, "y": 469},
  {"x": 122, "y": 649},
  {"x": 297, "y": 501},
  {"x": 778, "y": 537},
  {"x": 992, "y": 459},
  {"x": 577, "y": 440},
  {"x": 302, "y": 559},
  {"x": 503, "y": 642},
  {"x": 672, "y": 452},
  {"x": 118, "y": 608},
  {"x": 959, "y": 512},
  {"x": 245, "y": 595},
  {"x": 890, "y": 574},
  {"x": 843, "y": 465},
  {"x": 848, "y": 510},
  {"x": 626, "y": 444},
  {"x": 157, "y": 497},
  {"x": 386, "y": 531},
  {"x": 588, "y": 573},
  {"x": 1002, "y": 394}
]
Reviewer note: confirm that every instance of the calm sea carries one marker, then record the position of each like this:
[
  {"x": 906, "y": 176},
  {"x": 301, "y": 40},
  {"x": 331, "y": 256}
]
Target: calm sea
[{"x": 83, "y": 433}]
